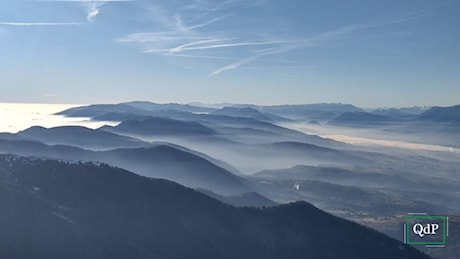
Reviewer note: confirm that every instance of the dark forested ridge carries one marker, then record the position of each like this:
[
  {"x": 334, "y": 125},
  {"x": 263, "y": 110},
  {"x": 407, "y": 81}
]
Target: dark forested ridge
[
  {"x": 64, "y": 209},
  {"x": 160, "y": 161}
]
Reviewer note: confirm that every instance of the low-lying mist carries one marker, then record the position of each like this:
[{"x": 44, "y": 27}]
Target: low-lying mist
[{"x": 382, "y": 136}]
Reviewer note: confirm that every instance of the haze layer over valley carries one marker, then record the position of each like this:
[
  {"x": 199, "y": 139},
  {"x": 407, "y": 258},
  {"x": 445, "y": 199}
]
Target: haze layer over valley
[{"x": 248, "y": 155}]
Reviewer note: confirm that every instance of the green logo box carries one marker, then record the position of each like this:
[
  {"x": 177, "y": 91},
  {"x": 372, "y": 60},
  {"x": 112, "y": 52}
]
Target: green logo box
[{"x": 424, "y": 217}]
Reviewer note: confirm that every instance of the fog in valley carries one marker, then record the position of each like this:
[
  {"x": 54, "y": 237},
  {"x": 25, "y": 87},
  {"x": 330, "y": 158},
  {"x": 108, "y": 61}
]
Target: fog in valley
[{"x": 246, "y": 156}]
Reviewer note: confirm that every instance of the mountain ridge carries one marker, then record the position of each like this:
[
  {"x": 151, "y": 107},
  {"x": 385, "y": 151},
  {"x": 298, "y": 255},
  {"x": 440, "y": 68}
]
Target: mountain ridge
[{"x": 96, "y": 211}]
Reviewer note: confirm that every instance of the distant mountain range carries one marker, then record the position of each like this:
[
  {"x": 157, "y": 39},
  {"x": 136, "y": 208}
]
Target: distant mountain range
[
  {"x": 242, "y": 112},
  {"x": 434, "y": 114},
  {"x": 65, "y": 209},
  {"x": 321, "y": 112},
  {"x": 150, "y": 106},
  {"x": 400, "y": 113},
  {"x": 160, "y": 126},
  {"x": 442, "y": 114},
  {"x": 362, "y": 118},
  {"x": 98, "y": 110},
  {"x": 234, "y": 121},
  {"x": 279, "y": 113}
]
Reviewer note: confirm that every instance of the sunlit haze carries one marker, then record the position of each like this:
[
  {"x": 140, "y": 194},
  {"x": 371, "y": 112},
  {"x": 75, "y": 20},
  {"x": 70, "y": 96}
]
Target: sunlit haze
[{"x": 16, "y": 117}]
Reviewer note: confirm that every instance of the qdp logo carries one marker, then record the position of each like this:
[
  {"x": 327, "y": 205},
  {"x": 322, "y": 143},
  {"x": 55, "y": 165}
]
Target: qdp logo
[{"x": 426, "y": 230}]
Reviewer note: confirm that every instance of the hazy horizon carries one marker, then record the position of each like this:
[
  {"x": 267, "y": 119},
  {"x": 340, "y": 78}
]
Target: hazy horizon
[
  {"x": 224, "y": 103},
  {"x": 20, "y": 116}
]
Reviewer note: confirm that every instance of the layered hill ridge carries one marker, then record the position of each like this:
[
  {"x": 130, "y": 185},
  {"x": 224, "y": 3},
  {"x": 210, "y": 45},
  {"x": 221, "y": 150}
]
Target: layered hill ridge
[
  {"x": 160, "y": 126},
  {"x": 87, "y": 210},
  {"x": 242, "y": 112},
  {"x": 442, "y": 114},
  {"x": 80, "y": 136},
  {"x": 358, "y": 117},
  {"x": 160, "y": 161}
]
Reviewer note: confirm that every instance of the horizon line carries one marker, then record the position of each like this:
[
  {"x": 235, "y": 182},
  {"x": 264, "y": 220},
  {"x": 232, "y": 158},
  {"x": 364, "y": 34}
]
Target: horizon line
[{"x": 198, "y": 103}]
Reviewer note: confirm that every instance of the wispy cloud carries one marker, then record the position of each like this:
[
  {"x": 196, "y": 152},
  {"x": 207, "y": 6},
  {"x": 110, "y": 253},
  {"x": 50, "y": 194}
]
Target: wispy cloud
[
  {"x": 37, "y": 24},
  {"x": 233, "y": 65},
  {"x": 203, "y": 57},
  {"x": 92, "y": 9},
  {"x": 229, "y": 45},
  {"x": 287, "y": 46},
  {"x": 192, "y": 46},
  {"x": 213, "y": 20},
  {"x": 329, "y": 37},
  {"x": 81, "y": 1},
  {"x": 398, "y": 20},
  {"x": 211, "y": 10},
  {"x": 180, "y": 34},
  {"x": 184, "y": 46},
  {"x": 258, "y": 54},
  {"x": 155, "y": 37},
  {"x": 186, "y": 32},
  {"x": 92, "y": 6}
]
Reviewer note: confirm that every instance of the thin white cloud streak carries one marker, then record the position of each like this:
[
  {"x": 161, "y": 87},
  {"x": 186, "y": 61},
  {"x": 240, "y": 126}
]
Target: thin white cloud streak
[
  {"x": 206, "y": 47},
  {"x": 188, "y": 40},
  {"x": 233, "y": 65},
  {"x": 399, "y": 20},
  {"x": 92, "y": 9},
  {"x": 92, "y": 6},
  {"x": 152, "y": 37},
  {"x": 83, "y": 1},
  {"x": 318, "y": 40},
  {"x": 306, "y": 43},
  {"x": 264, "y": 50},
  {"x": 202, "y": 57},
  {"x": 228, "y": 45},
  {"x": 215, "y": 20},
  {"x": 212, "y": 10},
  {"x": 177, "y": 35},
  {"x": 261, "y": 53},
  {"x": 285, "y": 47},
  {"x": 38, "y": 24},
  {"x": 181, "y": 47},
  {"x": 179, "y": 22},
  {"x": 183, "y": 27}
]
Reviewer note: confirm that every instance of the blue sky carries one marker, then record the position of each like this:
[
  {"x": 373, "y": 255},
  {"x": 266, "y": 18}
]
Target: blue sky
[{"x": 369, "y": 53}]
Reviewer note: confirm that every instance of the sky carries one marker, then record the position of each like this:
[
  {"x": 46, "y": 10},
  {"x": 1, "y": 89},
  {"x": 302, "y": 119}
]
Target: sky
[{"x": 386, "y": 53}]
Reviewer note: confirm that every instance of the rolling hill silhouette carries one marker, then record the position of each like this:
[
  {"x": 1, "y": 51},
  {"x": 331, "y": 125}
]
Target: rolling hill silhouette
[
  {"x": 160, "y": 161},
  {"x": 80, "y": 136},
  {"x": 61, "y": 209}
]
